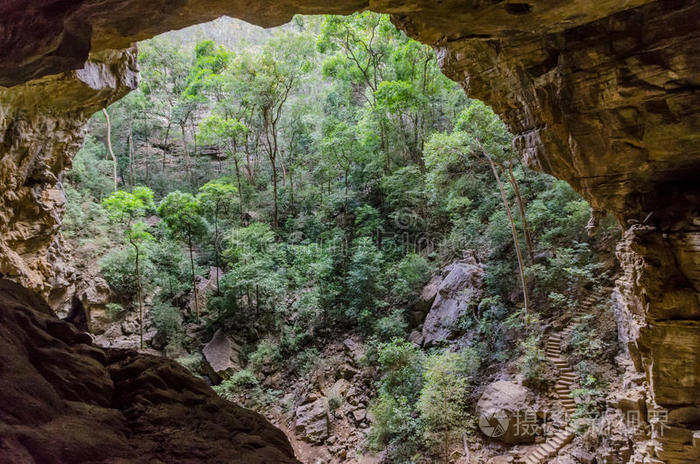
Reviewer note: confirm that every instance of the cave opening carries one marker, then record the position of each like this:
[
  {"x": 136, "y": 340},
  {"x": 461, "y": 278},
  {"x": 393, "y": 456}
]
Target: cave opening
[{"x": 590, "y": 117}]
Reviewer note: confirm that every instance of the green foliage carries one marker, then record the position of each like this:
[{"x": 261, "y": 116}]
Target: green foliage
[
  {"x": 90, "y": 171},
  {"x": 534, "y": 363},
  {"x": 411, "y": 273},
  {"x": 118, "y": 270},
  {"x": 396, "y": 426},
  {"x": 445, "y": 384},
  {"x": 167, "y": 320},
  {"x": 590, "y": 398},
  {"x": 266, "y": 355},
  {"x": 391, "y": 327},
  {"x": 181, "y": 213},
  {"x": 242, "y": 385},
  {"x": 375, "y": 163},
  {"x": 365, "y": 285},
  {"x": 124, "y": 206}
]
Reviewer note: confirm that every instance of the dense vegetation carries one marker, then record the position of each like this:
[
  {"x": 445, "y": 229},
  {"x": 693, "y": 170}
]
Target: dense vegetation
[{"x": 328, "y": 171}]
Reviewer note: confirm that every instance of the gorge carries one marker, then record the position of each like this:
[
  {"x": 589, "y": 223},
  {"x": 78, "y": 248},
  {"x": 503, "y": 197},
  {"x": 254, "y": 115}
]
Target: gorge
[{"x": 603, "y": 95}]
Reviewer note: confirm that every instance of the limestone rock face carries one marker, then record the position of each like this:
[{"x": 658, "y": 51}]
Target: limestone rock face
[
  {"x": 461, "y": 286},
  {"x": 502, "y": 410},
  {"x": 64, "y": 400}
]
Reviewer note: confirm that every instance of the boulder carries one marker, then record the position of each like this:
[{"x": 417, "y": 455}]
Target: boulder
[
  {"x": 461, "y": 287},
  {"x": 222, "y": 353},
  {"x": 505, "y": 411},
  {"x": 427, "y": 295},
  {"x": 311, "y": 422}
]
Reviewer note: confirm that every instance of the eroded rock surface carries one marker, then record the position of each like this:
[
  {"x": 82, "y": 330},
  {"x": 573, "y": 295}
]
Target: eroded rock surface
[
  {"x": 63, "y": 400},
  {"x": 41, "y": 128}
]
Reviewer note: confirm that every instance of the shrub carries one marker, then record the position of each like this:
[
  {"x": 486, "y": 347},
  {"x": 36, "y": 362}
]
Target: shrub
[
  {"x": 240, "y": 386},
  {"x": 365, "y": 285},
  {"x": 411, "y": 272},
  {"x": 167, "y": 319},
  {"x": 444, "y": 385},
  {"x": 534, "y": 362},
  {"x": 118, "y": 270},
  {"x": 400, "y": 363},
  {"x": 395, "y": 427},
  {"x": 192, "y": 362},
  {"x": 392, "y": 326},
  {"x": 267, "y": 353},
  {"x": 306, "y": 361}
]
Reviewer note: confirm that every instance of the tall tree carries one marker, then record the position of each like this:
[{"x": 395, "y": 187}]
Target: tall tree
[
  {"x": 269, "y": 78},
  {"x": 215, "y": 198},
  {"x": 109, "y": 147},
  {"x": 181, "y": 213},
  {"x": 125, "y": 207}
]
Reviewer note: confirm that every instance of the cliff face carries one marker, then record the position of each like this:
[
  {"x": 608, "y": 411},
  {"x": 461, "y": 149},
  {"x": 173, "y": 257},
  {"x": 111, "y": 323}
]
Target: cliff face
[
  {"x": 601, "y": 94},
  {"x": 41, "y": 128}
]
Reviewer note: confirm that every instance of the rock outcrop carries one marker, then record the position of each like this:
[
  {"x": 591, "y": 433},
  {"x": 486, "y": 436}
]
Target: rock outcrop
[
  {"x": 41, "y": 127},
  {"x": 63, "y": 400},
  {"x": 601, "y": 94},
  {"x": 457, "y": 291}
]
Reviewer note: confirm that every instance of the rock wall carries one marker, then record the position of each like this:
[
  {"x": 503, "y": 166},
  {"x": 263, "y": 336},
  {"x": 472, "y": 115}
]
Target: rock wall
[
  {"x": 63, "y": 400},
  {"x": 41, "y": 128},
  {"x": 601, "y": 94}
]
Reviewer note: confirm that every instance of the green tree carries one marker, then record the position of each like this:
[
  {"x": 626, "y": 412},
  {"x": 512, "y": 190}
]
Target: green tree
[
  {"x": 365, "y": 285},
  {"x": 442, "y": 400},
  {"x": 216, "y": 199},
  {"x": 181, "y": 213},
  {"x": 126, "y": 206},
  {"x": 231, "y": 133},
  {"x": 269, "y": 79}
]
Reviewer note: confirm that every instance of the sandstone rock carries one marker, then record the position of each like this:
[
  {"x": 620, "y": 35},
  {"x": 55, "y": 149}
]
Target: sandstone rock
[
  {"x": 70, "y": 401},
  {"x": 460, "y": 287},
  {"x": 223, "y": 354},
  {"x": 359, "y": 414},
  {"x": 502, "y": 410},
  {"x": 311, "y": 422},
  {"x": 353, "y": 350},
  {"x": 500, "y": 460}
]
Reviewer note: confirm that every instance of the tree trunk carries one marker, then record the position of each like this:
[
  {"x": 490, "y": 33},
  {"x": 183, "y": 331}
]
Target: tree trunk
[
  {"x": 165, "y": 144},
  {"x": 139, "y": 293},
  {"x": 216, "y": 245},
  {"x": 523, "y": 215},
  {"x": 516, "y": 242},
  {"x": 240, "y": 191},
  {"x": 291, "y": 190},
  {"x": 275, "y": 222},
  {"x": 109, "y": 148},
  {"x": 187, "y": 153},
  {"x": 194, "y": 281},
  {"x": 131, "y": 155}
]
